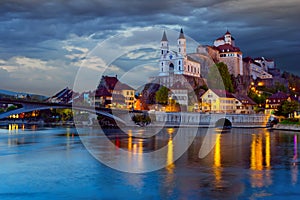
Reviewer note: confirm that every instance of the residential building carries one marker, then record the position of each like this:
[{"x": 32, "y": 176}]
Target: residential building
[
  {"x": 218, "y": 101},
  {"x": 244, "y": 104},
  {"x": 274, "y": 101},
  {"x": 113, "y": 93},
  {"x": 179, "y": 93}
]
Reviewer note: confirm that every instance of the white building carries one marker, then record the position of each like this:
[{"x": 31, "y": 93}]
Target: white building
[
  {"x": 230, "y": 54},
  {"x": 177, "y": 62}
]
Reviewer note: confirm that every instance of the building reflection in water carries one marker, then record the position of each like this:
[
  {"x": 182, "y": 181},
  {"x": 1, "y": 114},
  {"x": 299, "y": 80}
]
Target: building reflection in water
[
  {"x": 13, "y": 128},
  {"x": 170, "y": 156},
  {"x": 260, "y": 160},
  {"x": 294, "y": 168}
]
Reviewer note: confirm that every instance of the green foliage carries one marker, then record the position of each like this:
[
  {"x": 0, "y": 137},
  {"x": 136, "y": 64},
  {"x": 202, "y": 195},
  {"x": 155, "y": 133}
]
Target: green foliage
[
  {"x": 291, "y": 121},
  {"x": 2, "y": 110},
  {"x": 258, "y": 98},
  {"x": 286, "y": 108},
  {"x": 161, "y": 95},
  {"x": 12, "y": 107},
  {"x": 219, "y": 77},
  {"x": 141, "y": 119},
  {"x": 65, "y": 114}
]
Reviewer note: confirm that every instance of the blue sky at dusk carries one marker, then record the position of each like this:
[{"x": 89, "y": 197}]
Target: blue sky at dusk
[{"x": 44, "y": 42}]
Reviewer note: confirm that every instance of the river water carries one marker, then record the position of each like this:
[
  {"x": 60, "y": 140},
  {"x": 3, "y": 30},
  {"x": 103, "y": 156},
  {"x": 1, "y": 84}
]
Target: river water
[{"x": 54, "y": 163}]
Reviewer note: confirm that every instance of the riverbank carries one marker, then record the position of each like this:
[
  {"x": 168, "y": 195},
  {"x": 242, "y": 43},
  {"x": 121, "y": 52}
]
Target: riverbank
[{"x": 286, "y": 127}]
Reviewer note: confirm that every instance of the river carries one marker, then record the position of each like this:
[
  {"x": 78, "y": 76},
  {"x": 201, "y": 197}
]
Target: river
[{"x": 57, "y": 163}]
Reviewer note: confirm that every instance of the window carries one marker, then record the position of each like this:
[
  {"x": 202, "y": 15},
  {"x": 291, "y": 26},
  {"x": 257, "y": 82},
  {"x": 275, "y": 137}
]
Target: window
[
  {"x": 179, "y": 49},
  {"x": 162, "y": 52},
  {"x": 162, "y": 69},
  {"x": 179, "y": 62},
  {"x": 162, "y": 64}
]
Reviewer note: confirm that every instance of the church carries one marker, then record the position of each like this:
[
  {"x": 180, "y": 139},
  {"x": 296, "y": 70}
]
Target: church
[{"x": 173, "y": 64}]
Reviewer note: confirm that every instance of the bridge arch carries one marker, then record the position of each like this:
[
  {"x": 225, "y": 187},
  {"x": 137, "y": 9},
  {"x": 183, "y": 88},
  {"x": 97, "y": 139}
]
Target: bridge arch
[
  {"x": 223, "y": 122},
  {"x": 29, "y": 108}
]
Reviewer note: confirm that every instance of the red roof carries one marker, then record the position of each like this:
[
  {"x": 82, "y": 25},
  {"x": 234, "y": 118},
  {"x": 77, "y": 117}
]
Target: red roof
[
  {"x": 222, "y": 93},
  {"x": 110, "y": 82},
  {"x": 226, "y": 47},
  {"x": 102, "y": 91},
  {"x": 245, "y": 99},
  {"x": 279, "y": 95},
  {"x": 122, "y": 86}
]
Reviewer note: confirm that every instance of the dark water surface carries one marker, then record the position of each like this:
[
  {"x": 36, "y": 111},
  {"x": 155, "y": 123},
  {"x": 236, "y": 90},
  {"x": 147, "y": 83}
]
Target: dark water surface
[{"x": 52, "y": 163}]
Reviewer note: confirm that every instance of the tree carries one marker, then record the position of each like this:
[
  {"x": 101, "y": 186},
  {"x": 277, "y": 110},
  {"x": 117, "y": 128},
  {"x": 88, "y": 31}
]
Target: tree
[
  {"x": 286, "y": 108},
  {"x": 161, "y": 95},
  {"x": 219, "y": 77}
]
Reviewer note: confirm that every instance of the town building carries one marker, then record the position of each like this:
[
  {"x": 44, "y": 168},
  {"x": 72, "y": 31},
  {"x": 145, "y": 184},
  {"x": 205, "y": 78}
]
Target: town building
[
  {"x": 218, "y": 101},
  {"x": 244, "y": 104},
  {"x": 224, "y": 50},
  {"x": 179, "y": 93},
  {"x": 256, "y": 69},
  {"x": 274, "y": 101},
  {"x": 113, "y": 93}
]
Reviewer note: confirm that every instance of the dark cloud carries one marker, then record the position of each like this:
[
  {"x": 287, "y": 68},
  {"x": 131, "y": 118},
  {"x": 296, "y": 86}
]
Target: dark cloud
[{"x": 40, "y": 28}]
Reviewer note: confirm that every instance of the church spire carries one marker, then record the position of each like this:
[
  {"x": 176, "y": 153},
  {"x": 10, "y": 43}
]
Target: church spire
[
  {"x": 181, "y": 35},
  {"x": 164, "y": 38}
]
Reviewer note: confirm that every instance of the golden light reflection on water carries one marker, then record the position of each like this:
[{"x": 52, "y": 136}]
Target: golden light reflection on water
[
  {"x": 170, "y": 156},
  {"x": 13, "y": 128},
  {"x": 260, "y": 160},
  {"x": 217, "y": 160}
]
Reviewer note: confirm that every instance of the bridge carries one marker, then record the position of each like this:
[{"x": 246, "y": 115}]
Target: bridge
[
  {"x": 211, "y": 119},
  {"x": 24, "y": 106},
  {"x": 157, "y": 118}
]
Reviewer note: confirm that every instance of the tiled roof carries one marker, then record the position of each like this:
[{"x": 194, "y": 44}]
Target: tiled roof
[
  {"x": 226, "y": 47},
  {"x": 245, "y": 99},
  {"x": 122, "y": 86},
  {"x": 102, "y": 91},
  {"x": 192, "y": 59},
  {"x": 279, "y": 95},
  {"x": 222, "y": 93},
  {"x": 111, "y": 82}
]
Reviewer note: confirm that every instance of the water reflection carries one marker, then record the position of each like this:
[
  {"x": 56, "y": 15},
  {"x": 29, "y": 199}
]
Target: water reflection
[
  {"x": 217, "y": 161},
  {"x": 294, "y": 167},
  {"x": 13, "y": 128},
  {"x": 260, "y": 175}
]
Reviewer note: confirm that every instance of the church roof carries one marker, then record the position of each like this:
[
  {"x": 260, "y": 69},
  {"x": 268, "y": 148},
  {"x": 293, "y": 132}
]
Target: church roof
[
  {"x": 192, "y": 59},
  {"x": 181, "y": 35},
  {"x": 164, "y": 38}
]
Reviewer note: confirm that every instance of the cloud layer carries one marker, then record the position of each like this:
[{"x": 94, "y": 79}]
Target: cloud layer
[{"x": 43, "y": 42}]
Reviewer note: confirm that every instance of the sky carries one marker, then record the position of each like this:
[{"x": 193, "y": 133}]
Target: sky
[{"x": 45, "y": 43}]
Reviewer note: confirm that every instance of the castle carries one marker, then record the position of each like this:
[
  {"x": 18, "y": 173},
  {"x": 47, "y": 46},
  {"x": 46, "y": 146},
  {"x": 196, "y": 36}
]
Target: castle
[{"x": 224, "y": 49}]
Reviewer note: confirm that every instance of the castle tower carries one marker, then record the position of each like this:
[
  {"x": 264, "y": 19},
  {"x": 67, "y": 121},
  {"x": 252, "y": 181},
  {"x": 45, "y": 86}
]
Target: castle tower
[
  {"x": 164, "y": 44},
  {"x": 181, "y": 42},
  {"x": 227, "y": 38}
]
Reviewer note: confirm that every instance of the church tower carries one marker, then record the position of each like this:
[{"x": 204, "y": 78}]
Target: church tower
[
  {"x": 181, "y": 42},
  {"x": 164, "y": 45}
]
